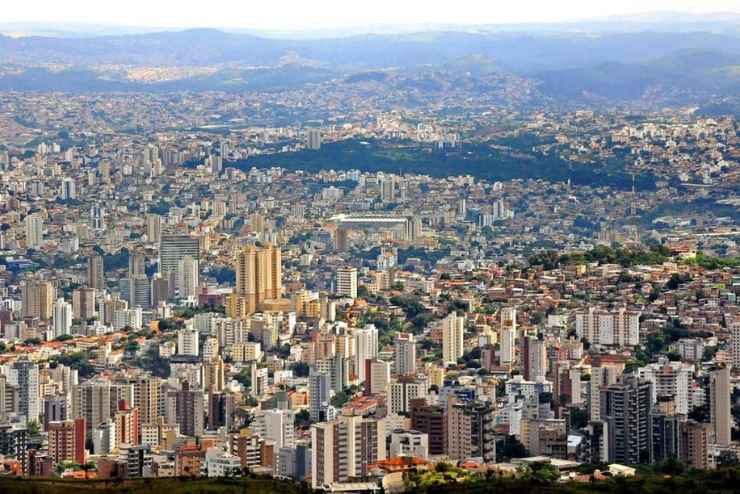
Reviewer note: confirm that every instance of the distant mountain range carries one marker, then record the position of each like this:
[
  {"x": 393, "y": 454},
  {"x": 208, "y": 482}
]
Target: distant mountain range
[
  {"x": 588, "y": 61},
  {"x": 517, "y": 51}
]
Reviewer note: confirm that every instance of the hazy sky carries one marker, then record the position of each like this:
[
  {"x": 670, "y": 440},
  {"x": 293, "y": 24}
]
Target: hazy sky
[{"x": 316, "y": 14}]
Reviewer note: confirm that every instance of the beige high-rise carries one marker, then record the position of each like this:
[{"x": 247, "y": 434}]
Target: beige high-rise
[
  {"x": 38, "y": 299},
  {"x": 259, "y": 276},
  {"x": 720, "y": 407},
  {"x": 83, "y": 303}
]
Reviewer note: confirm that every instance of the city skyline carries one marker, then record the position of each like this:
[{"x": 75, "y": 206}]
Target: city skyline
[{"x": 494, "y": 257}]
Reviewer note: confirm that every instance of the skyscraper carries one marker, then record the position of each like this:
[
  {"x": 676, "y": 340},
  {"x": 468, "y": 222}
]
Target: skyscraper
[
  {"x": 38, "y": 299},
  {"x": 625, "y": 409},
  {"x": 405, "y": 355},
  {"x": 318, "y": 395},
  {"x": 153, "y": 228},
  {"x": 95, "y": 272},
  {"x": 259, "y": 275},
  {"x": 346, "y": 282},
  {"x": 62, "y": 318},
  {"x": 453, "y": 329},
  {"x": 146, "y": 397},
  {"x": 187, "y": 342},
  {"x": 139, "y": 292},
  {"x": 507, "y": 335},
  {"x": 432, "y": 420},
  {"x": 719, "y": 406},
  {"x": 66, "y": 441},
  {"x": 470, "y": 431},
  {"x": 34, "y": 231},
  {"x": 97, "y": 217},
  {"x": 734, "y": 327},
  {"x": 187, "y": 278},
  {"x": 314, "y": 139},
  {"x": 83, "y": 303},
  {"x": 27, "y": 379},
  {"x": 186, "y": 408},
  {"x": 695, "y": 443},
  {"x": 366, "y": 348},
  {"x": 220, "y": 410},
  {"x": 343, "y": 450},
  {"x": 173, "y": 248},
  {"x": 95, "y": 401}
]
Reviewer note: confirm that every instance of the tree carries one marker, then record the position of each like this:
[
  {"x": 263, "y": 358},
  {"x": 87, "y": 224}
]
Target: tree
[
  {"x": 544, "y": 472},
  {"x": 34, "y": 429},
  {"x": 300, "y": 369},
  {"x": 154, "y": 363},
  {"x": 677, "y": 280},
  {"x": 303, "y": 419},
  {"x": 578, "y": 418},
  {"x": 700, "y": 413},
  {"x": 244, "y": 378},
  {"x": 728, "y": 458},
  {"x": 340, "y": 399},
  {"x": 511, "y": 447}
]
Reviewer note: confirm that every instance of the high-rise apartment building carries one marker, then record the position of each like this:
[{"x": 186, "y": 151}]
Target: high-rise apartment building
[
  {"x": 185, "y": 408},
  {"x": 346, "y": 282},
  {"x": 366, "y": 348},
  {"x": 97, "y": 402},
  {"x": 173, "y": 248},
  {"x": 401, "y": 392},
  {"x": 665, "y": 437},
  {"x": 187, "y": 278},
  {"x": 602, "y": 327},
  {"x": 405, "y": 354},
  {"x": 187, "y": 342},
  {"x": 604, "y": 372},
  {"x": 318, "y": 395},
  {"x": 719, "y": 406},
  {"x": 534, "y": 358},
  {"x": 146, "y": 398},
  {"x": 432, "y": 420},
  {"x": 670, "y": 380},
  {"x": 343, "y": 450},
  {"x": 258, "y": 279},
  {"x": 153, "y": 228},
  {"x": 507, "y": 336},
  {"x": 38, "y": 299},
  {"x": 314, "y": 139},
  {"x": 734, "y": 327},
  {"x": 27, "y": 380},
  {"x": 220, "y": 411},
  {"x": 62, "y": 318},
  {"x": 378, "y": 376},
  {"x": 626, "y": 409},
  {"x": 95, "y": 272},
  {"x": 34, "y": 231},
  {"x": 695, "y": 444},
  {"x": 127, "y": 422},
  {"x": 453, "y": 330},
  {"x": 66, "y": 441},
  {"x": 83, "y": 303},
  {"x": 470, "y": 431}
]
